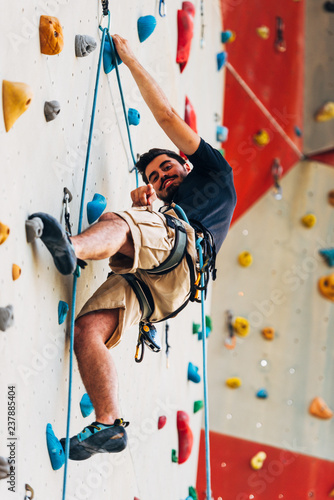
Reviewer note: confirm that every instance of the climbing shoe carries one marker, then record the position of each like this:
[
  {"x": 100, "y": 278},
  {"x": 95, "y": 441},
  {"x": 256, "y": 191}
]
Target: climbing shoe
[
  {"x": 98, "y": 438},
  {"x": 58, "y": 243}
]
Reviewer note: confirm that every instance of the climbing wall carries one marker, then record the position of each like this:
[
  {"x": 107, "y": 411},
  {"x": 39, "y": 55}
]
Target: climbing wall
[{"x": 38, "y": 160}]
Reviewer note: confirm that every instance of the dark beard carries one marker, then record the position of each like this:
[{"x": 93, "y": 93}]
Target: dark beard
[{"x": 170, "y": 194}]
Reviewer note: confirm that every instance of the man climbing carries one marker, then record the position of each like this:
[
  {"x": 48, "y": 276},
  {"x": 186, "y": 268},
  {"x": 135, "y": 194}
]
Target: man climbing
[{"x": 143, "y": 245}]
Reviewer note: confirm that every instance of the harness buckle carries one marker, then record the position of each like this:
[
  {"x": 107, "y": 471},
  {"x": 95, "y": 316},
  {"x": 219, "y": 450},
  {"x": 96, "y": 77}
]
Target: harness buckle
[{"x": 147, "y": 335}]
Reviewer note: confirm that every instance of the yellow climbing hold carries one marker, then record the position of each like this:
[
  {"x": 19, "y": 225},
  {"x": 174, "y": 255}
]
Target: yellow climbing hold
[
  {"x": 318, "y": 408},
  {"x": 309, "y": 220},
  {"x": 261, "y": 138},
  {"x": 325, "y": 113},
  {"x": 50, "y": 35},
  {"x": 16, "y": 272},
  {"x": 245, "y": 259},
  {"x": 16, "y": 98},
  {"x": 263, "y": 32},
  {"x": 241, "y": 326},
  {"x": 233, "y": 382},
  {"x": 258, "y": 460},
  {"x": 4, "y": 232}
]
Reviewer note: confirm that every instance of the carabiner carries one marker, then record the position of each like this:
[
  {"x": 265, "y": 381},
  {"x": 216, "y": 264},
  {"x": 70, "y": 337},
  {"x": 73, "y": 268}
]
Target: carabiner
[{"x": 162, "y": 8}]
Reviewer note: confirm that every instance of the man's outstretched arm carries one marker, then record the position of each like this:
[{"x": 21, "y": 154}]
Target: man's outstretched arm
[{"x": 172, "y": 124}]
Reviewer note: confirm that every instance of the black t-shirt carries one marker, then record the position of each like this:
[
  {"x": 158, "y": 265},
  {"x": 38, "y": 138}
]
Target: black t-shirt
[{"x": 207, "y": 194}]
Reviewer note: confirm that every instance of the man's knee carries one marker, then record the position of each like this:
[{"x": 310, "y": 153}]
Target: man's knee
[
  {"x": 108, "y": 216},
  {"x": 96, "y": 326}
]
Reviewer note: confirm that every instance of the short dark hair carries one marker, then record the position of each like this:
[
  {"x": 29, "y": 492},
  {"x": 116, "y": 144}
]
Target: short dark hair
[{"x": 146, "y": 158}]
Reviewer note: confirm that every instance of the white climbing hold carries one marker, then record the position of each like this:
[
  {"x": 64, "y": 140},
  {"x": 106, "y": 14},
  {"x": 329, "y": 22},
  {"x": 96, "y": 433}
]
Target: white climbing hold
[
  {"x": 51, "y": 110},
  {"x": 4, "y": 468},
  {"x": 6, "y": 317},
  {"x": 34, "y": 229},
  {"x": 84, "y": 45}
]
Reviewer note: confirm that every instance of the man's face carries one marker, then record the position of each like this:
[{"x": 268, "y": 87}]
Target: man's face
[{"x": 166, "y": 174}]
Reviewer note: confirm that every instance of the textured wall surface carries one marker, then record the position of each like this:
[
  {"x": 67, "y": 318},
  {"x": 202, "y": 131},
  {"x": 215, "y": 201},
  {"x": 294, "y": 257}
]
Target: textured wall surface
[{"x": 38, "y": 159}]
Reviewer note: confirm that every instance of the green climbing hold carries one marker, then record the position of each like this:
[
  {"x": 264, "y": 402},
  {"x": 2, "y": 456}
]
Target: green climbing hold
[
  {"x": 174, "y": 457},
  {"x": 198, "y": 405},
  {"x": 193, "y": 493},
  {"x": 208, "y": 322},
  {"x": 196, "y": 327}
]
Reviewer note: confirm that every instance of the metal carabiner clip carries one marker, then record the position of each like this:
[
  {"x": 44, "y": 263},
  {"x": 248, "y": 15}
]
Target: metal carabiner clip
[{"x": 162, "y": 8}]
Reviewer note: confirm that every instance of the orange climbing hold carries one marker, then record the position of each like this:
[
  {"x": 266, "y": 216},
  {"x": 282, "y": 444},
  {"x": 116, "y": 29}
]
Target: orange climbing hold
[
  {"x": 186, "y": 437},
  {"x": 185, "y": 27},
  {"x": 326, "y": 286},
  {"x": 4, "y": 232},
  {"x": 50, "y": 35},
  {"x": 268, "y": 333},
  {"x": 325, "y": 113},
  {"x": 318, "y": 408},
  {"x": 16, "y": 272},
  {"x": 16, "y": 98}
]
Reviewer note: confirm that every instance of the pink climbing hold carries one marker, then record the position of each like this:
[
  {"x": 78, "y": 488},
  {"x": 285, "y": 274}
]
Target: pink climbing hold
[
  {"x": 162, "y": 421},
  {"x": 186, "y": 437},
  {"x": 185, "y": 27}
]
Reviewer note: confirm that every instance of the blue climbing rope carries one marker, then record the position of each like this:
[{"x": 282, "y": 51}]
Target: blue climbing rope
[{"x": 105, "y": 32}]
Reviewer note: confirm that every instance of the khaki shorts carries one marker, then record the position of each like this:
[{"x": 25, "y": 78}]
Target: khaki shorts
[{"x": 153, "y": 240}]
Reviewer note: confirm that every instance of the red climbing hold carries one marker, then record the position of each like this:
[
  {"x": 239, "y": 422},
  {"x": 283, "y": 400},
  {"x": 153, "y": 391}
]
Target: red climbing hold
[
  {"x": 185, "y": 27},
  {"x": 162, "y": 422},
  {"x": 186, "y": 437},
  {"x": 190, "y": 115}
]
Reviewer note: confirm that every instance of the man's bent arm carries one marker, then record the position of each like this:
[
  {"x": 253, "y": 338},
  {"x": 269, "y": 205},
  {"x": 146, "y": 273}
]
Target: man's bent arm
[{"x": 172, "y": 124}]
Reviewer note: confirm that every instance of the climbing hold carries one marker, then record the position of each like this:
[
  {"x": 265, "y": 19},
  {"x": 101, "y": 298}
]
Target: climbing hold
[
  {"x": 221, "y": 133},
  {"x": 16, "y": 98},
  {"x": 62, "y": 311},
  {"x": 108, "y": 57},
  {"x": 86, "y": 406},
  {"x": 261, "y": 138},
  {"x": 325, "y": 113},
  {"x": 6, "y": 317},
  {"x": 328, "y": 255},
  {"x": 262, "y": 394},
  {"x": 185, "y": 29},
  {"x": 318, "y": 408},
  {"x": 50, "y": 35},
  {"x": 190, "y": 115},
  {"x": 174, "y": 457},
  {"x": 329, "y": 7},
  {"x": 208, "y": 322},
  {"x": 192, "y": 493},
  {"x": 16, "y": 272},
  {"x": 263, "y": 32},
  {"x": 227, "y": 36},
  {"x": 185, "y": 436},
  {"x": 233, "y": 382},
  {"x": 331, "y": 197},
  {"x": 51, "y": 110},
  {"x": 309, "y": 220},
  {"x": 96, "y": 207},
  {"x": 133, "y": 116},
  {"x": 193, "y": 374},
  {"x": 207, "y": 333},
  {"x": 29, "y": 492},
  {"x": 34, "y": 229},
  {"x": 145, "y": 27},
  {"x": 4, "y": 232},
  {"x": 245, "y": 259},
  {"x": 241, "y": 326},
  {"x": 196, "y": 327},
  {"x": 198, "y": 405},
  {"x": 221, "y": 59},
  {"x": 268, "y": 333},
  {"x": 4, "y": 467},
  {"x": 162, "y": 421},
  {"x": 258, "y": 460},
  {"x": 326, "y": 286},
  {"x": 55, "y": 449},
  {"x": 84, "y": 45},
  {"x": 298, "y": 131}
]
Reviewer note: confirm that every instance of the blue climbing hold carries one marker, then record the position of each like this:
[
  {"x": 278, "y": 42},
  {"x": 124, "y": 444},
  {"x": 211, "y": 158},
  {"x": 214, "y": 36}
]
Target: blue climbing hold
[
  {"x": 298, "y": 131},
  {"x": 207, "y": 332},
  {"x": 221, "y": 59},
  {"x": 226, "y": 36},
  {"x": 62, "y": 311},
  {"x": 193, "y": 374},
  {"x": 221, "y": 133},
  {"x": 328, "y": 254},
  {"x": 262, "y": 394},
  {"x": 145, "y": 26},
  {"x": 108, "y": 57},
  {"x": 96, "y": 207},
  {"x": 133, "y": 116},
  {"x": 55, "y": 449},
  {"x": 86, "y": 406}
]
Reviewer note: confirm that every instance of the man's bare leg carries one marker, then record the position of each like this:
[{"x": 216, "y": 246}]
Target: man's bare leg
[
  {"x": 111, "y": 234},
  {"x": 96, "y": 366}
]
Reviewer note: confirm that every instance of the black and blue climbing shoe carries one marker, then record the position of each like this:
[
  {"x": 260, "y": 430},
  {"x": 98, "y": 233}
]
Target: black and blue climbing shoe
[
  {"x": 98, "y": 438},
  {"x": 58, "y": 243}
]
